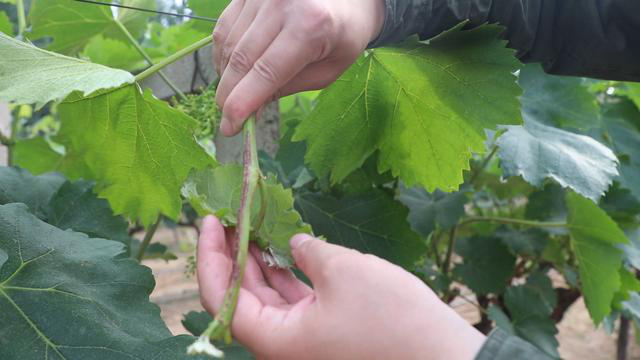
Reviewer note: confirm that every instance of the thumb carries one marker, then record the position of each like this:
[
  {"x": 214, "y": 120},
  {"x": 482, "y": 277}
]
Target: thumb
[{"x": 311, "y": 254}]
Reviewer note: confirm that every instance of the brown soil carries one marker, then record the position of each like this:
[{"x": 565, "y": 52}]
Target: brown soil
[{"x": 177, "y": 294}]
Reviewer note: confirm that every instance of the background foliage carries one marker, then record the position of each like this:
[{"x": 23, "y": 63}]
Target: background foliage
[{"x": 449, "y": 157}]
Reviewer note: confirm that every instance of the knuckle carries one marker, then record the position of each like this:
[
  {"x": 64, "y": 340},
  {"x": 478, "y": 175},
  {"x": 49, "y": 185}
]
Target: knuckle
[
  {"x": 235, "y": 109},
  {"x": 267, "y": 71},
  {"x": 239, "y": 61},
  {"x": 318, "y": 21}
]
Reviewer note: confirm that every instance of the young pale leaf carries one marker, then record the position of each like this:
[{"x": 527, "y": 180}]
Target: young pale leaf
[
  {"x": 425, "y": 107},
  {"x": 218, "y": 191},
  {"x": 139, "y": 150},
  {"x": 538, "y": 152},
  {"x": 73, "y": 24},
  {"x": 31, "y": 75},
  {"x": 595, "y": 239},
  {"x": 487, "y": 264},
  {"x": 372, "y": 223},
  {"x": 553, "y": 100},
  {"x": 97, "y": 302}
]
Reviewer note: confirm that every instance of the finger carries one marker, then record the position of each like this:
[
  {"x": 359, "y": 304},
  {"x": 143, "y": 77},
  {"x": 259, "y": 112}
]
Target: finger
[
  {"x": 284, "y": 58},
  {"x": 250, "y": 47},
  {"x": 213, "y": 264},
  {"x": 312, "y": 254},
  {"x": 255, "y": 282},
  {"x": 243, "y": 22},
  {"x": 282, "y": 280},
  {"x": 315, "y": 76},
  {"x": 222, "y": 29},
  {"x": 254, "y": 323}
]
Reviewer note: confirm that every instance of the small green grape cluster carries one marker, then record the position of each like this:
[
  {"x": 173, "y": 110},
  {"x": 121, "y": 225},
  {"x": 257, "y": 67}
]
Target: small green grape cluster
[{"x": 203, "y": 108}]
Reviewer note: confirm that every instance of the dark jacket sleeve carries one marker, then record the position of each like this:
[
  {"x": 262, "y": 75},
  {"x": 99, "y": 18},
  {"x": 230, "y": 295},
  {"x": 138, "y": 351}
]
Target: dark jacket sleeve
[
  {"x": 594, "y": 38},
  {"x": 502, "y": 346}
]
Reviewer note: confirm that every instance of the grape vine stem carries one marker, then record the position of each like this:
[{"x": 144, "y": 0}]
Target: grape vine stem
[
  {"x": 173, "y": 58},
  {"x": 220, "y": 327},
  {"x": 147, "y": 239}
]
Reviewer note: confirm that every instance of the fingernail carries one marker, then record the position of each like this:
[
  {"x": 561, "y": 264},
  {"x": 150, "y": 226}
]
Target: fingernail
[{"x": 298, "y": 240}]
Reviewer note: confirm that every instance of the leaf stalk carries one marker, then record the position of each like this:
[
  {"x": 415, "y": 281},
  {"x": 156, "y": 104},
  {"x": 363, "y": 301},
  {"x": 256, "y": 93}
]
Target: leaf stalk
[
  {"x": 173, "y": 58},
  {"x": 146, "y": 56},
  {"x": 147, "y": 239}
]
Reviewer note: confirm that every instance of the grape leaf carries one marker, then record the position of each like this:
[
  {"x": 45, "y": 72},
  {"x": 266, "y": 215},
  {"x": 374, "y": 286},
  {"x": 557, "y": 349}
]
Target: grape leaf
[
  {"x": 632, "y": 91},
  {"x": 372, "y": 223},
  {"x": 73, "y": 24},
  {"x": 530, "y": 306},
  {"x": 487, "y": 264},
  {"x": 113, "y": 53},
  {"x": 425, "y": 209},
  {"x": 218, "y": 191},
  {"x": 553, "y": 100},
  {"x": 139, "y": 150},
  {"x": 74, "y": 206},
  {"x": 97, "y": 302},
  {"x": 64, "y": 204},
  {"x": 621, "y": 131},
  {"x": 30, "y": 75},
  {"x": 208, "y": 8},
  {"x": 5, "y": 24},
  {"x": 35, "y": 155},
  {"x": 537, "y": 152},
  {"x": 595, "y": 239},
  {"x": 425, "y": 107},
  {"x": 19, "y": 186}
]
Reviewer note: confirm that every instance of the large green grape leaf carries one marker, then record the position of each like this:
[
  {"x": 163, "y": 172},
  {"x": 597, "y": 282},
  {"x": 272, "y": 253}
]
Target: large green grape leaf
[
  {"x": 428, "y": 209},
  {"x": 218, "y": 191},
  {"x": 73, "y": 24},
  {"x": 35, "y": 155},
  {"x": 538, "y": 152},
  {"x": 139, "y": 149},
  {"x": 64, "y": 295},
  {"x": 595, "y": 240},
  {"x": 553, "y": 100},
  {"x": 621, "y": 131},
  {"x": 208, "y": 8},
  {"x": 30, "y": 75},
  {"x": 5, "y": 24},
  {"x": 372, "y": 223},
  {"x": 64, "y": 204},
  {"x": 425, "y": 107},
  {"x": 487, "y": 264}
]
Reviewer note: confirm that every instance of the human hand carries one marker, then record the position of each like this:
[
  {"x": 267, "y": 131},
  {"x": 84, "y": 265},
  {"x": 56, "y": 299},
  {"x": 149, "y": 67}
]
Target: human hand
[
  {"x": 361, "y": 307},
  {"x": 271, "y": 48}
]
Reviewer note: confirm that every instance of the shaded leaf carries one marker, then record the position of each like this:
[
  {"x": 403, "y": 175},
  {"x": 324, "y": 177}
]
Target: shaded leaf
[
  {"x": 424, "y": 107},
  {"x": 19, "y": 186},
  {"x": 554, "y": 100},
  {"x": 595, "y": 239},
  {"x": 425, "y": 209},
  {"x": 538, "y": 152},
  {"x": 140, "y": 150},
  {"x": 372, "y": 223},
  {"x": 487, "y": 264},
  {"x": 113, "y": 53},
  {"x": 5, "y": 24},
  {"x": 30, "y": 75},
  {"x": 530, "y": 242}
]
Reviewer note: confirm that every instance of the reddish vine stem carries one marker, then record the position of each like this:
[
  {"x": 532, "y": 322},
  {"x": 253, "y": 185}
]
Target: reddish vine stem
[{"x": 220, "y": 327}]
